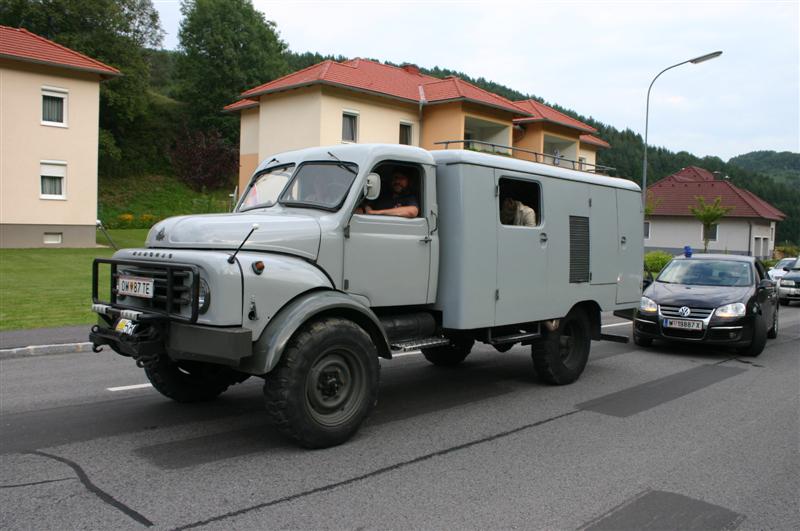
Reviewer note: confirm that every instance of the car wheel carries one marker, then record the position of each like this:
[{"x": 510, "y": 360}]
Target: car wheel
[
  {"x": 191, "y": 381},
  {"x": 772, "y": 333},
  {"x": 560, "y": 357},
  {"x": 759, "y": 340},
  {"x": 642, "y": 341},
  {"x": 325, "y": 384},
  {"x": 451, "y": 355}
]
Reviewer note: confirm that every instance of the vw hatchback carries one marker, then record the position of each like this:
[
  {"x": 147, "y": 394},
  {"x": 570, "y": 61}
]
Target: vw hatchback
[{"x": 708, "y": 298}]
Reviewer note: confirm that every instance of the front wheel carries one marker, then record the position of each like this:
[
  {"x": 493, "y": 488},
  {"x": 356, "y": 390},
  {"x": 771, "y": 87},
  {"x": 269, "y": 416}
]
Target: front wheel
[
  {"x": 772, "y": 333},
  {"x": 191, "y": 381},
  {"x": 325, "y": 384},
  {"x": 560, "y": 357},
  {"x": 759, "y": 340}
]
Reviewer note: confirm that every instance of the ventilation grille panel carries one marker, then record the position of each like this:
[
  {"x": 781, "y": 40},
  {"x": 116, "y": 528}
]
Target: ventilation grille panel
[{"x": 578, "y": 249}]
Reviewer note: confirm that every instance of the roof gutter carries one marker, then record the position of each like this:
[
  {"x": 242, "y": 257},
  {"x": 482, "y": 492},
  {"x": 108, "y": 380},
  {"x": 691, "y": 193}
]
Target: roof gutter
[{"x": 102, "y": 73}]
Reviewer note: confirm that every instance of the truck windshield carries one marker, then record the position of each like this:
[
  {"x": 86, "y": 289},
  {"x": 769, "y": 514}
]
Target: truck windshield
[
  {"x": 266, "y": 188},
  {"x": 321, "y": 185},
  {"x": 707, "y": 273}
]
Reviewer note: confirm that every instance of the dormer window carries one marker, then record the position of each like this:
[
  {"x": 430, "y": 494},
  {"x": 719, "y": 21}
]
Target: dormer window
[{"x": 54, "y": 106}]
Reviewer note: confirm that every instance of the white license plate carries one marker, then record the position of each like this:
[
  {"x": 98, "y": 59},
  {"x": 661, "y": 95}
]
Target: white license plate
[
  {"x": 680, "y": 323},
  {"x": 135, "y": 286}
]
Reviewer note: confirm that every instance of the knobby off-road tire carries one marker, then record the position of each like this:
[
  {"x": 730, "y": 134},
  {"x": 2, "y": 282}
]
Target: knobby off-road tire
[
  {"x": 772, "y": 333},
  {"x": 759, "y": 341},
  {"x": 451, "y": 355},
  {"x": 325, "y": 385},
  {"x": 191, "y": 381},
  {"x": 561, "y": 355}
]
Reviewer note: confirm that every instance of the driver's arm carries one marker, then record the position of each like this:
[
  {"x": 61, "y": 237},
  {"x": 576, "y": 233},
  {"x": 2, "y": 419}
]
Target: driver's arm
[{"x": 402, "y": 211}]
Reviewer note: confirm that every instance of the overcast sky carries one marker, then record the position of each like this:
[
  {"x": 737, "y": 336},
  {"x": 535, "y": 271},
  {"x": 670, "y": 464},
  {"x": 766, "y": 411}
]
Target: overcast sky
[{"x": 597, "y": 58}]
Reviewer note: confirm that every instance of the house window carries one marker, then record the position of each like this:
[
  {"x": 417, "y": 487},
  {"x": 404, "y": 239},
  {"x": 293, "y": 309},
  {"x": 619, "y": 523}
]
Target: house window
[
  {"x": 54, "y": 107},
  {"x": 349, "y": 127},
  {"x": 405, "y": 134},
  {"x": 711, "y": 235},
  {"x": 53, "y": 176},
  {"x": 53, "y": 238},
  {"x": 646, "y": 230},
  {"x": 582, "y": 161}
]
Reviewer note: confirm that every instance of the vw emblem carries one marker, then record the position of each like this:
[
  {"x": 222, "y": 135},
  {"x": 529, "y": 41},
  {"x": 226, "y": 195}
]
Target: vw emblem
[
  {"x": 684, "y": 311},
  {"x": 160, "y": 235}
]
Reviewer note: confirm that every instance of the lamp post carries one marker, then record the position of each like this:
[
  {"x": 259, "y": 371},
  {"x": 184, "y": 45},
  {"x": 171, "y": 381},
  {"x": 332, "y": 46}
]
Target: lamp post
[{"x": 696, "y": 60}]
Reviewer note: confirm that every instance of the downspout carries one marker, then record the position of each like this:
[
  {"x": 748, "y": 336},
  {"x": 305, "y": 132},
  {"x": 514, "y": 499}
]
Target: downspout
[
  {"x": 750, "y": 239},
  {"x": 419, "y": 116}
]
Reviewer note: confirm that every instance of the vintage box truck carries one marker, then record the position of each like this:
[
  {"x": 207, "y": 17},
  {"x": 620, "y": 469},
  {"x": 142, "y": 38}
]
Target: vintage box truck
[{"x": 307, "y": 283}]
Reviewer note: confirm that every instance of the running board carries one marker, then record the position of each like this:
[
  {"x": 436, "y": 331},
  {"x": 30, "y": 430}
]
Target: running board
[
  {"x": 614, "y": 338},
  {"x": 416, "y": 344}
]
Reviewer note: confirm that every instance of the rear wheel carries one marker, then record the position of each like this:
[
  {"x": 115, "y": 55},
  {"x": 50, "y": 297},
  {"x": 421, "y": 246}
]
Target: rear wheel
[
  {"x": 451, "y": 355},
  {"x": 325, "y": 384},
  {"x": 191, "y": 381},
  {"x": 560, "y": 357},
  {"x": 772, "y": 333}
]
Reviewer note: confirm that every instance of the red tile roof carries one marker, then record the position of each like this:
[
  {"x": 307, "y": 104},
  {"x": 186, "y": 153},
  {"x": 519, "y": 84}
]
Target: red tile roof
[
  {"x": 246, "y": 103},
  {"x": 593, "y": 140},
  {"x": 539, "y": 112},
  {"x": 401, "y": 83},
  {"x": 676, "y": 193},
  {"x": 21, "y": 45}
]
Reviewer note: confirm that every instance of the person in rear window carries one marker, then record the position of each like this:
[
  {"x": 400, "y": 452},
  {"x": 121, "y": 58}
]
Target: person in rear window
[
  {"x": 401, "y": 203},
  {"x": 513, "y": 212}
]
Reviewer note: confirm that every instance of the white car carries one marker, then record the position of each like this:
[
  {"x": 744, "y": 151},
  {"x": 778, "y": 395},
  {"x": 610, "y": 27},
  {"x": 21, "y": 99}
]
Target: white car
[{"x": 778, "y": 270}]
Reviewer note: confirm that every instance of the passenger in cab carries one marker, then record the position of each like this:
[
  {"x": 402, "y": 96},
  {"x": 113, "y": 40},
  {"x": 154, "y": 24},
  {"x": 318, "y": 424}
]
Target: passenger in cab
[
  {"x": 513, "y": 212},
  {"x": 402, "y": 202}
]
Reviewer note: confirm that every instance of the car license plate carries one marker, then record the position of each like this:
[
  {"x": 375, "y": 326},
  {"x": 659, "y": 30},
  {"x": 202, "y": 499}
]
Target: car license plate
[
  {"x": 125, "y": 326},
  {"x": 680, "y": 323},
  {"x": 135, "y": 286}
]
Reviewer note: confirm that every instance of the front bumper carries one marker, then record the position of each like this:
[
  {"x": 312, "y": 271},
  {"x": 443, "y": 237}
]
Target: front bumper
[
  {"x": 789, "y": 294},
  {"x": 734, "y": 332},
  {"x": 153, "y": 335}
]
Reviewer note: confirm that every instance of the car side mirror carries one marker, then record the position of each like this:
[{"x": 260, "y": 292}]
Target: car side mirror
[
  {"x": 372, "y": 188},
  {"x": 647, "y": 280},
  {"x": 766, "y": 283}
]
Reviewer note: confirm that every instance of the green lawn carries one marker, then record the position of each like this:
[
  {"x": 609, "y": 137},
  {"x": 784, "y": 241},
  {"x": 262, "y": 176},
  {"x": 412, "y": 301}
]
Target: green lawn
[{"x": 53, "y": 287}]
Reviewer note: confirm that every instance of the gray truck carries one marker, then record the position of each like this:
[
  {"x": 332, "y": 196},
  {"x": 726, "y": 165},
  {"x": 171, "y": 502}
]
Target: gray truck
[{"x": 306, "y": 286}]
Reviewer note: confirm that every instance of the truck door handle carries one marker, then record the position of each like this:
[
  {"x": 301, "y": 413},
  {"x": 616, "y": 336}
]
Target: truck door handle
[
  {"x": 623, "y": 240},
  {"x": 426, "y": 239},
  {"x": 543, "y": 237}
]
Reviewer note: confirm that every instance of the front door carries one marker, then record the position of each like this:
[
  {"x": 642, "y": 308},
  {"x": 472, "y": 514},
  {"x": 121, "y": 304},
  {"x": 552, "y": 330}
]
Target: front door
[{"x": 387, "y": 259}]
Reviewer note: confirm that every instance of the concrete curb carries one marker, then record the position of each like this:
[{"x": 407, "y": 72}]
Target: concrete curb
[{"x": 44, "y": 350}]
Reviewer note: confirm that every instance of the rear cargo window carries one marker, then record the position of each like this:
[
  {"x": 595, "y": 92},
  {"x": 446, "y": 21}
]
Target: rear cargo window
[{"x": 520, "y": 202}]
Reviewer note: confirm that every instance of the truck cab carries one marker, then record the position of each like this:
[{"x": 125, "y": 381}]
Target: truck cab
[{"x": 337, "y": 256}]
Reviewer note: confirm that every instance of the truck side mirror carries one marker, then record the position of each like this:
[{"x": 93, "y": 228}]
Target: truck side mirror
[{"x": 372, "y": 188}]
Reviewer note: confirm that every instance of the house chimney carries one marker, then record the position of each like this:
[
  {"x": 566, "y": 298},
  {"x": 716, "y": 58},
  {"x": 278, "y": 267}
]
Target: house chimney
[
  {"x": 717, "y": 175},
  {"x": 410, "y": 68}
]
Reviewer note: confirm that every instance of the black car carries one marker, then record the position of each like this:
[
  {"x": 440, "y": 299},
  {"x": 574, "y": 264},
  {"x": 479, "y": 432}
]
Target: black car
[{"x": 712, "y": 299}]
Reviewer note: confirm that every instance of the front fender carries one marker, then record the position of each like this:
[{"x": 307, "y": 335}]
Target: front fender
[{"x": 269, "y": 347}]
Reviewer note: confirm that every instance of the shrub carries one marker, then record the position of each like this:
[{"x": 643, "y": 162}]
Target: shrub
[
  {"x": 205, "y": 160},
  {"x": 654, "y": 261},
  {"x": 782, "y": 251},
  {"x": 125, "y": 219}
]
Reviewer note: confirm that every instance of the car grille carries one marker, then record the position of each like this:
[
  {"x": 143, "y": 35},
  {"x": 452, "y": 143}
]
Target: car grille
[
  {"x": 695, "y": 313},
  {"x": 171, "y": 289}
]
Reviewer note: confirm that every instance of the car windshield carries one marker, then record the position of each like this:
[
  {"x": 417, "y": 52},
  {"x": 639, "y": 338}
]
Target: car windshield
[
  {"x": 321, "y": 185},
  {"x": 786, "y": 262},
  {"x": 707, "y": 273},
  {"x": 794, "y": 266},
  {"x": 266, "y": 188}
]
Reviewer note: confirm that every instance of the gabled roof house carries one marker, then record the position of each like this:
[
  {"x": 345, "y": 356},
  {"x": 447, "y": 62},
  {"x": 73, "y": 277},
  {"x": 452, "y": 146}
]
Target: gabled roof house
[
  {"x": 365, "y": 101},
  {"x": 749, "y": 228},
  {"x": 49, "y": 101}
]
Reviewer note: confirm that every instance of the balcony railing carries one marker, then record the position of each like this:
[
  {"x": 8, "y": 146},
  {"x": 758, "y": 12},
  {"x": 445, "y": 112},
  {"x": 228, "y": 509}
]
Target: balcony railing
[{"x": 543, "y": 158}]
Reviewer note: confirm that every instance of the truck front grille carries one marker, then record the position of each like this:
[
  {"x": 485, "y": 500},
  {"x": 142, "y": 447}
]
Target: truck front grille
[{"x": 164, "y": 298}]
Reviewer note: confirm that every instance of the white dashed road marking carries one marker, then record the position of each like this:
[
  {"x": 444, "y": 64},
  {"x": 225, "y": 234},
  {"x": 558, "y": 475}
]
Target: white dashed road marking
[{"x": 128, "y": 387}]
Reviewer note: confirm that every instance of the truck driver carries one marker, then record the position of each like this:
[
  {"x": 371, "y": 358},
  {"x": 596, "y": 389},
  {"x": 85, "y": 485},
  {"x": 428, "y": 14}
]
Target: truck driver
[
  {"x": 513, "y": 212},
  {"x": 401, "y": 203}
]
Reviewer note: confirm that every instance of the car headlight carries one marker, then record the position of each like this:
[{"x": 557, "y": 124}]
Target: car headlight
[
  {"x": 787, "y": 283},
  {"x": 204, "y": 297},
  {"x": 647, "y": 305},
  {"x": 737, "y": 309}
]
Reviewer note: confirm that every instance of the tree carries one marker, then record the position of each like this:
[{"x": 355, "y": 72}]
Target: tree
[
  {"x": 227, "y": 48},
  {"x": 708, "y": 215},
  {"x": 116, "y": 32},
  {"x": 650, "y": 204}
]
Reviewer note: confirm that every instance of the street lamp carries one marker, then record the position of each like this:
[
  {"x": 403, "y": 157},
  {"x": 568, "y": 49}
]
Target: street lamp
[{"x": 696, "y": 60}]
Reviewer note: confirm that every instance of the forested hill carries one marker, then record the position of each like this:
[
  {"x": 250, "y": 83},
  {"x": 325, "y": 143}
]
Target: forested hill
[
  {"x": 772, "y": 176},
  {"x": 782, "y": 166}
]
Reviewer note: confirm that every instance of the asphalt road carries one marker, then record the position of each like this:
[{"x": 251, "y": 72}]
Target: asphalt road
[{"x": 659, "y": 438}]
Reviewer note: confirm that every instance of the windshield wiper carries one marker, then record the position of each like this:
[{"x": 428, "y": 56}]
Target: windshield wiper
[{"x": 342, "y": 164}]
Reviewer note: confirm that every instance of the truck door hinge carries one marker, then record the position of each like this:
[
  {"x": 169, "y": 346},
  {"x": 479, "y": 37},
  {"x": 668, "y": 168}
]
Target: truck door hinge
[
  {"x": 347, "y": 231},
  {"x": 497, "y": 294},
  {"x": 590, "y": 202},
  {"x": 346, "y": 284},
  {"x": 497, "y": 190}
]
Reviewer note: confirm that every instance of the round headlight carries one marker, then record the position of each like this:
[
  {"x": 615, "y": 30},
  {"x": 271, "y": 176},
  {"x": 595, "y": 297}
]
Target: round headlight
[{"x": 204, "y": 298}]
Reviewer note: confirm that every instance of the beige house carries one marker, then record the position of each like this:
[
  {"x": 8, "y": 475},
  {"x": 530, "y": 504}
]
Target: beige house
[
  {"x": 49, "y": 111},
  {"x": 365, "y": 101}
]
